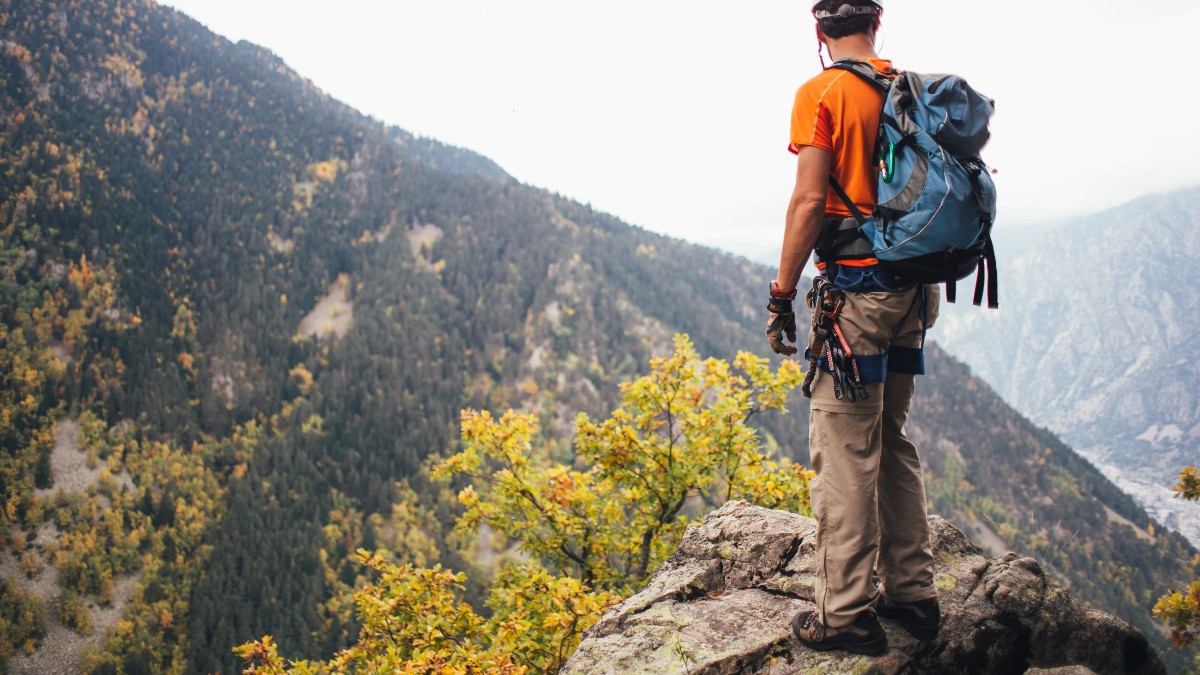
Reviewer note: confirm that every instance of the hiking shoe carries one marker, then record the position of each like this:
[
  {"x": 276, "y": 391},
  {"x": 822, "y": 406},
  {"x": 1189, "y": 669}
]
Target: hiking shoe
[
  {"x": 922, "y": 619},
  {"x": 864, "y": 636}
]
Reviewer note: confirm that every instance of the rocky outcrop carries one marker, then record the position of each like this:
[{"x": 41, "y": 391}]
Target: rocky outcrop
[{"x": 722, "y": 605}]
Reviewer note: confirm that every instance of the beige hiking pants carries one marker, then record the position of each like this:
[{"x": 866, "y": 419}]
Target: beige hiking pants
[{"x": 868, "y": 496}]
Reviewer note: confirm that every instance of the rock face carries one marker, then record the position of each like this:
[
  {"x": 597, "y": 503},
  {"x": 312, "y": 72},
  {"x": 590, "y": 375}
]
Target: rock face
[{"x": 723, "y": 602}]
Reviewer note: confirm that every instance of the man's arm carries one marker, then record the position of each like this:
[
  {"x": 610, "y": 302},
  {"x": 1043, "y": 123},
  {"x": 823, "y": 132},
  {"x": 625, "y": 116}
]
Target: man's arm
[{"x": 805, "y": 214}]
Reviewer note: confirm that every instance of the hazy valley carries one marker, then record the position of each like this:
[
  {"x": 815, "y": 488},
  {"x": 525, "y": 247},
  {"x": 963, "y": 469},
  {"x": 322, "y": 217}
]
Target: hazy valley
[{"x": 1095, "y": 341}]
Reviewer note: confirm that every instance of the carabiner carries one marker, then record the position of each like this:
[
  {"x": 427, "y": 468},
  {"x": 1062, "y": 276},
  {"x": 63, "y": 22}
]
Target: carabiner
[
  {"x": 887, "y": 162},
  {"x": 832, "y": 312}
]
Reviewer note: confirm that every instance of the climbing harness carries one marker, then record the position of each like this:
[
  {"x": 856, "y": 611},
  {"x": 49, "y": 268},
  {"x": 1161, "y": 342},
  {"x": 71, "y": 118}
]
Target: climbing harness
[
  {"x": 825, "y": 303},
  {"x": 831, "y": 350}
]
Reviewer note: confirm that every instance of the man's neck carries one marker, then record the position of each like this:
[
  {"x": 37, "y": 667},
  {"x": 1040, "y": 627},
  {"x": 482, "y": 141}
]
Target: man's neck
[{"x": 859, "y": 47}]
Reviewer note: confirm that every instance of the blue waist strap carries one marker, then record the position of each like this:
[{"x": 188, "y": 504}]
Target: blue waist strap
[{"x": 874, "y": 368}]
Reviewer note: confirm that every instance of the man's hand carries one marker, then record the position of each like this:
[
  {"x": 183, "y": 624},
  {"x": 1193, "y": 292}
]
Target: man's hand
[{"x": 781, "y": 320}]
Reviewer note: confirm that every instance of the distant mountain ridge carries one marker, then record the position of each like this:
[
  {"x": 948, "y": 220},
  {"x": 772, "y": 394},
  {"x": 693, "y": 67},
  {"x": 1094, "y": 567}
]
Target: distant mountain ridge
[
  {"x": 289, "y": 305},
  {"x": 1096, "y": 339}
]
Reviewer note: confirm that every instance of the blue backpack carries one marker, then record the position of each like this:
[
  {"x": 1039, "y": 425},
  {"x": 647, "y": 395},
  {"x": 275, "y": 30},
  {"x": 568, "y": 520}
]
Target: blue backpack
[{"x": 933, "y": 219}]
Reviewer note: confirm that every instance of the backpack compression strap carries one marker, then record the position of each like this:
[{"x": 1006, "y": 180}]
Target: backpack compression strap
[{"x": 988, "y": 263}]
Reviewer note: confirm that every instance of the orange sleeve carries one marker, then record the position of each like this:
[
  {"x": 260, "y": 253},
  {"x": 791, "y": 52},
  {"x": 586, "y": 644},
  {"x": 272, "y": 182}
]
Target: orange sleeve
[
  {"x": 812, "y": 124},
  {"x": 839, "y": 113}
]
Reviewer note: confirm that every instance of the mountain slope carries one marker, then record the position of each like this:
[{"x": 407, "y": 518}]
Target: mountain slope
[
  {"x": 227, "y": 199},
  {"x": 1095, "y": 341},
  {"x": 267, "y": 310}
]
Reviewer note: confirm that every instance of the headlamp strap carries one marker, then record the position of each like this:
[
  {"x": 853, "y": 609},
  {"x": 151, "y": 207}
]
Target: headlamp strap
[{"x": 845, "y": 11}]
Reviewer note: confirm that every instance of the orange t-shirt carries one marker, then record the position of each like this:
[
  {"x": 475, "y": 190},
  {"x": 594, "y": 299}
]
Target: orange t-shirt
[{"x": 838, "y": 111}]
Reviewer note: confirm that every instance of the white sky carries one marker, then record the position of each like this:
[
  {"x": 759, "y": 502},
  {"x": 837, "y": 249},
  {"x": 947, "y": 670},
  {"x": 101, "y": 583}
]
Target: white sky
[{"x": 674, "y": 115}]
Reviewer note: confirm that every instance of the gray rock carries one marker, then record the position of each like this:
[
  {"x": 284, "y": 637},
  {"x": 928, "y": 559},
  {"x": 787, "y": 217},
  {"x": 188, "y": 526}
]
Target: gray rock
[{"x": 723, "y": 602}]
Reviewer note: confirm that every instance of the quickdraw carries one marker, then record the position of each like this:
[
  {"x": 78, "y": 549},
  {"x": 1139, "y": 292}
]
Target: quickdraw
[{"x": 826, "y": 302}]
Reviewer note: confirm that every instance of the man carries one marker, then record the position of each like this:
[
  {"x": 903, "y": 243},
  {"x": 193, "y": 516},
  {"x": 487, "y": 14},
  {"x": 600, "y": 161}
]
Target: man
[{"x": 868, "y": 496}]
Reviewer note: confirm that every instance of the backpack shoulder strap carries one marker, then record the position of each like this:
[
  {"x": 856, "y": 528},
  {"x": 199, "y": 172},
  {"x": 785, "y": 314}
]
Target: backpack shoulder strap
[
  {"x": 881, "y": 81},
  {"x": 841, "y": 193}
]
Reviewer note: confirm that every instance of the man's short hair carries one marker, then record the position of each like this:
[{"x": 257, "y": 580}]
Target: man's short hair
[{"x": 842, "y": 26}]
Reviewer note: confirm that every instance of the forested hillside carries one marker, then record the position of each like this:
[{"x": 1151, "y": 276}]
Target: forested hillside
[{"x": 237, "y": 317}]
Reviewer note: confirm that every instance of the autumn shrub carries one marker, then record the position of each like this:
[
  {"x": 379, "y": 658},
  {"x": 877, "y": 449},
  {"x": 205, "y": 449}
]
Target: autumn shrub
[
  {"x": 1181, "y": 609},
  {"x": 30, "y": 564},
  {"x": 23, "y": 620},
  {"x": 591, "y": 531},
  {"x": 73, "y": 612}
]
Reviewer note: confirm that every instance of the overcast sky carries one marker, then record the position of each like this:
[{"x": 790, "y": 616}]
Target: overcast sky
[{"x": 674, "y": 115}]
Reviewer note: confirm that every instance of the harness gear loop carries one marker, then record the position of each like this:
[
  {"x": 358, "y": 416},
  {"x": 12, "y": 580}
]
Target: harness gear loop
[
  {"x": 858, "y": 381},
  {"x": 825, "y": 302}
]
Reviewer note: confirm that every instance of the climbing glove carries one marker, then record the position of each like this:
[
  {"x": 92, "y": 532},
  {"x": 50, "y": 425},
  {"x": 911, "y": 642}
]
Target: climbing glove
[{"x": 781, "y": 321}]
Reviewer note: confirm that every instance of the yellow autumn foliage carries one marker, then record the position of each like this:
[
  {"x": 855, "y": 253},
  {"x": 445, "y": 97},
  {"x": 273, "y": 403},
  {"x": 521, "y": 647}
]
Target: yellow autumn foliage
[{"x": 592, "y": 531}]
